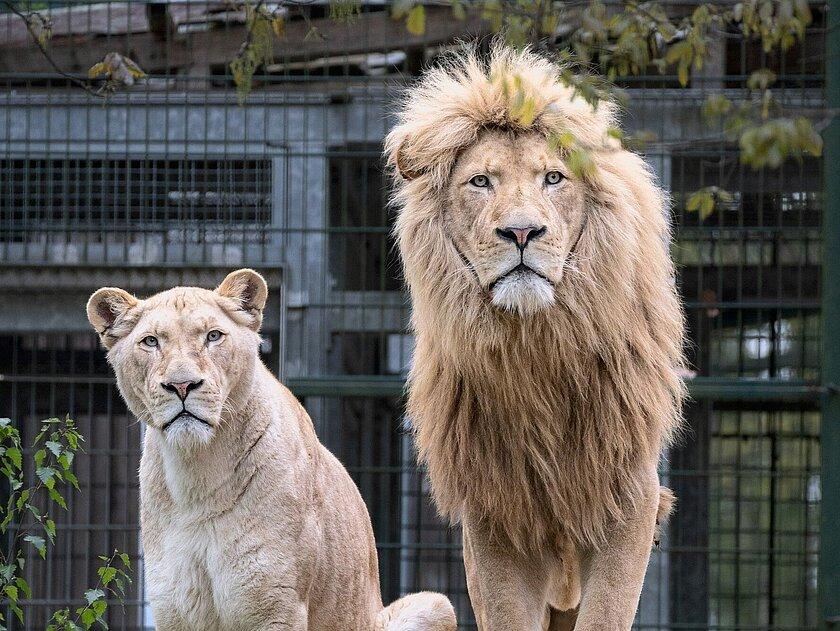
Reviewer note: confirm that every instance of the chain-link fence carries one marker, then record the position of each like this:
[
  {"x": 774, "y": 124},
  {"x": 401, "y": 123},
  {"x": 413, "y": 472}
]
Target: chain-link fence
[{"x": 172, "y": 181}]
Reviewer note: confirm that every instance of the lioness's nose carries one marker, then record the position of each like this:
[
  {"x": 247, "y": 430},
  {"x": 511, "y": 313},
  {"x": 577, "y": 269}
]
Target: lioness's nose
[
  {"x": 520, "y": 236},
  {"x": 182, "y": 388}
]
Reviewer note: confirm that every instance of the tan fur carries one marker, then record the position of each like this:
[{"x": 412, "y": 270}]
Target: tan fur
[
  {"x": 541, "y": 411},
  {"x": 248, "y": 522}
]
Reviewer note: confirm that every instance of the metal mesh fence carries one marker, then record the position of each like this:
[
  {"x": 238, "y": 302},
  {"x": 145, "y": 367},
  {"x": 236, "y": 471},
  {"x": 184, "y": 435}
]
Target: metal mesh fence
[{"x": 172, "y": 181}]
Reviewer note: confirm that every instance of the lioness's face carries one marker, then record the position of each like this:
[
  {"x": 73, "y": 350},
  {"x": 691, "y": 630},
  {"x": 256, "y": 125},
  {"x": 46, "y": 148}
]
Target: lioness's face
[
  {"x": 182, "y": 356},
  {"x": 514, "y": 212}
]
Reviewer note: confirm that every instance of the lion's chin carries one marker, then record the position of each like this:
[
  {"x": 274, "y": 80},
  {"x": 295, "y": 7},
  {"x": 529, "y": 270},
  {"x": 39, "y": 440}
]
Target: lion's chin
[{"x": 524, "y": 293}]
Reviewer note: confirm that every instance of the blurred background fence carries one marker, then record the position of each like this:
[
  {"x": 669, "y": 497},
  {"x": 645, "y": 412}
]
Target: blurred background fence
[{"x": 172, "y": 181}]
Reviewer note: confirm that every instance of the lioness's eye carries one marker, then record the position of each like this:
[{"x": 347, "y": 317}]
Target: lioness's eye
[
  {"x": 553, "y": 177},
  {"x": 480, "y": 181},
  {"x": 150, "y": 340},
  {"x": 214, "y": 336}
]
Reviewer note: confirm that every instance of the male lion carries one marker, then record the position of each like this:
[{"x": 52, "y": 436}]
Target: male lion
[
  {"x": 248, "y": 522},
  {"x": 545, "y": 382}
]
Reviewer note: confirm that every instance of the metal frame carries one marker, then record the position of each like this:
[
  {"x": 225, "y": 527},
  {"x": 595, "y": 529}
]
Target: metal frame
[
  {"x": 830, "y": 434},
  {"x": 741, "y": 551}
]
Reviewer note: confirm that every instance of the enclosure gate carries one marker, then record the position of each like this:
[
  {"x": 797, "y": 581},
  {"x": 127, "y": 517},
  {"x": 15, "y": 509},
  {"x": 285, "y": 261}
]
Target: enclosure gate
[{"x": 172, "y": 181}]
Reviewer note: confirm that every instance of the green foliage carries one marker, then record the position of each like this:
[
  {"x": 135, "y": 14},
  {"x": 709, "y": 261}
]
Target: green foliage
[
  {"x": 706, "y": 200},
  {"x": 258, "y": 49},
  {"x": 27, "y": 523},
  {"x": 113, "y": 579},
  {"x": 345, "y": 11},
  {"x": 595, "y": 43}
]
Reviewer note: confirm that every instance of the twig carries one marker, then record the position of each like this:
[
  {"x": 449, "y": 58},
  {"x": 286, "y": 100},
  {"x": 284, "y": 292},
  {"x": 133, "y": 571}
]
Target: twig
[{"x": 72, "y": 78}]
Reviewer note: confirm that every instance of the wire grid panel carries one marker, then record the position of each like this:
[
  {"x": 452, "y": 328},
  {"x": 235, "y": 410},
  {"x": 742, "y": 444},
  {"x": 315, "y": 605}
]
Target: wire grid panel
[{"x": 173, "y": 179}]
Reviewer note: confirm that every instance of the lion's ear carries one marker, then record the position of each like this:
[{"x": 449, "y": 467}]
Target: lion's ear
[
  {"x": 403, "y": 167},
  {"x": 105, "y": 308},
  {"x": 398, "y": 145},
  {"x": 249, "y": 289}
]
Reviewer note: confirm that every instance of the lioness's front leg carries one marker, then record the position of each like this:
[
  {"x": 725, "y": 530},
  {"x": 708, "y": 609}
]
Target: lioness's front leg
[
  {"x": 613, "y": 576},
  {"x": 507, "y": 590}
]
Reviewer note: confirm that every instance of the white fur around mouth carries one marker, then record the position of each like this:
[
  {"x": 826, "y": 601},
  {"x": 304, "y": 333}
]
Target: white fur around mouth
[
  {"x": 524, "y": 292},
  {"x": 183, "y": 415},
  {"x": 188, "y": 431}
]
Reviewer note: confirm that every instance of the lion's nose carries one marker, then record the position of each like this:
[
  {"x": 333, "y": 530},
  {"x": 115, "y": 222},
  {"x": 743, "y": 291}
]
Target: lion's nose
[
  {"x": 520, "y": 236},
  {"x": 182, "y": 388}
]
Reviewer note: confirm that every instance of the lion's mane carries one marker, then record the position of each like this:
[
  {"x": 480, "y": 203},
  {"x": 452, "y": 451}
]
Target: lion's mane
[{"x": 541, "y": 425}]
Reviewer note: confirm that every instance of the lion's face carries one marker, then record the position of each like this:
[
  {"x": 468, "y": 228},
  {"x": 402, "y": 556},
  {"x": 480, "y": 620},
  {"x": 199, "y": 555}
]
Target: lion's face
[
  {"x": 184, "y": 356},
  {"x": 514, "y": 212}
]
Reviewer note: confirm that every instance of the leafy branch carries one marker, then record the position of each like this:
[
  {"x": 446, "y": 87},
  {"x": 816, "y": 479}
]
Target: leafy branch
[
  {"x": 597, "y": 42},
  {"x": 117, "y": 70},
  {"x": 113, "y": 580},
  {"x": 28, "y": 517}
]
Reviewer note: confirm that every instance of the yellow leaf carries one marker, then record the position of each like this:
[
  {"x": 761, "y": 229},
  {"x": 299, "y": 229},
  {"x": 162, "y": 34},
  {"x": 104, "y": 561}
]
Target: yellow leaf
[
  {"x": 525, "y": 111},
  {"x": 135, "y": 70},
  {"x": 707, "y": 207},
  {"x": 278, "y": 25},
  {"x": 416, "y": 20},
  {"x": 97, "y": 70},
  {"x": 682, "y": 74}
]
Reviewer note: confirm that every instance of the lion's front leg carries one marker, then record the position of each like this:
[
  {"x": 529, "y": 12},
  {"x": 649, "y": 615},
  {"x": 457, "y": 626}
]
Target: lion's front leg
[
  {"x": 507, "y": 590},
  {"x": 613, "y": 576}
]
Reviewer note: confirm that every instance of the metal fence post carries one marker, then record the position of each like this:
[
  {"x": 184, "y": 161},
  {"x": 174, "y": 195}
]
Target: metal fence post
[{"x": 829, "y": 576}]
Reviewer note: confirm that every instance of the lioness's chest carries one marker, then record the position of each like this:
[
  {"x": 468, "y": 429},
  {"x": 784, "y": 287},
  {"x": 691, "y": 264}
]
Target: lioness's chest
[{"x": 188, "y": 575}]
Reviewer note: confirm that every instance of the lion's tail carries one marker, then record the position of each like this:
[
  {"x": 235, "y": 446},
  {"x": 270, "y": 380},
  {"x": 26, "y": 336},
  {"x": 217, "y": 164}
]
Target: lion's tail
[{"x": 424, "y": 611}]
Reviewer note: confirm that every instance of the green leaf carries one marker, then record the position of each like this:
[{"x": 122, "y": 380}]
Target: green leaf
[
  {"x": 49, "y": 528},
  {"x": 12, "y": 592},
  {"x": 58, "y": 498},
  {"x": 99, "y": 607},
  {"x": 92, "y": 595},
  {"x": 107, "y": 574},
  {"x": 125, "y": 560},
  {"x": 39, "y": 457},
  {"x": 23, "y": 498},
  {"x": 39, "y": 543},
  {"x": 14, "y": 454},
  {"x": 73, "y": 439},
  {"x": 23, "y": 586},
  {"x": 72, "y": 479},
  {"x": 46, "y": 474},
  {"x": 18, "y": 612},
  {"x": 87, "y": 618},
  {"x": 54, "y": 447}
]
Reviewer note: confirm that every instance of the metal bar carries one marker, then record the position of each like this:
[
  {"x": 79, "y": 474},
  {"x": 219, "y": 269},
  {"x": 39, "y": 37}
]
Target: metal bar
[
  {"x": 829, "y": 567},
  {"x": 387, "y": 385},
  {"x": 699, "y": 388}
]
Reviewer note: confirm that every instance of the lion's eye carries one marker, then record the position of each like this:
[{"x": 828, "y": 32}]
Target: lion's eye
[
  {"x": 480, "y": 181},
  {"x": 150, "y": 340},
  {"x": 553, "y": 177},
  {"x": 214, "y": 336}
]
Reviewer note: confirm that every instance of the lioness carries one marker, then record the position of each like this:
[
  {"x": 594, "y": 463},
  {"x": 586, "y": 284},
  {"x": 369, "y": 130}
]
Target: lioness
[
  {"x": 248, "y": 522},
  {"x": 546, "y": 378}
]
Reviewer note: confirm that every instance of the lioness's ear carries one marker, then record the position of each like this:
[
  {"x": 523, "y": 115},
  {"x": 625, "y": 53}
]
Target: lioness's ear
[
  {"x": 249, "y": 289},
  {"x": 105, "y": 308}
]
